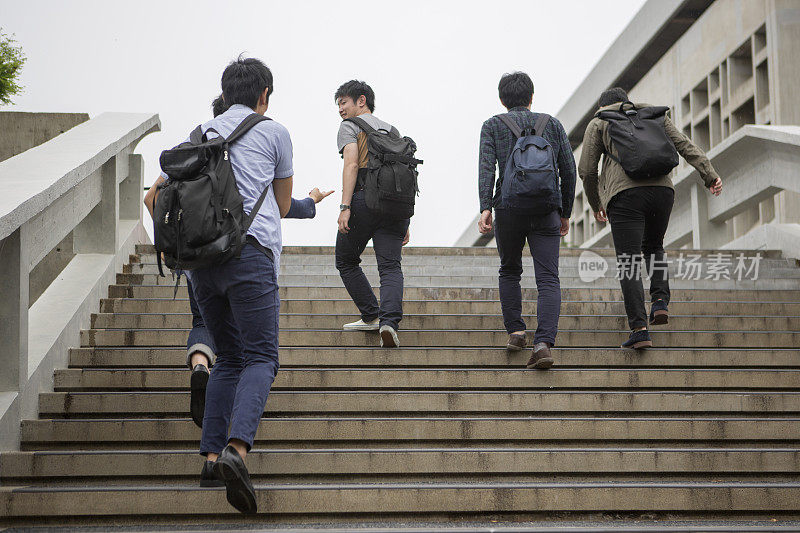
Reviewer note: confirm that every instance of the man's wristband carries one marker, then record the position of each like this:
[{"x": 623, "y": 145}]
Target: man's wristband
[{"x": 343, "y": 207}]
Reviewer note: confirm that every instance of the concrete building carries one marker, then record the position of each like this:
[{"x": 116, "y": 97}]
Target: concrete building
[{"x": 728, "y": 69}]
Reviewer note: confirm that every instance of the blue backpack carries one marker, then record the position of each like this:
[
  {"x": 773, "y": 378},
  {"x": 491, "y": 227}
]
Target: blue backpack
[{"x": 530, "y": 182}]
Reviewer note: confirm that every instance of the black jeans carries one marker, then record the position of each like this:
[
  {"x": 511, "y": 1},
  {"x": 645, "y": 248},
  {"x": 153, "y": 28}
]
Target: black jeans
[
  {"x": 639, "y": 218},
  {"x": 387, "y": 239},
  {"x": 542, "y": 232}
]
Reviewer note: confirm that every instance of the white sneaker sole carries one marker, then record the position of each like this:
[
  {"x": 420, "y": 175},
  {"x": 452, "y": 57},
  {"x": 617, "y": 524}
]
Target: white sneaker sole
[
  {"x": 388, "y": 340},
  {"x": 347, "y": 327}
]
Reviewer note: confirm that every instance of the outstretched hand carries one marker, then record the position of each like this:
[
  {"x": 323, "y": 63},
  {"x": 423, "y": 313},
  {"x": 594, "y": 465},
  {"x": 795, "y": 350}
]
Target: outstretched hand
[{"x": 319, "y": 196}]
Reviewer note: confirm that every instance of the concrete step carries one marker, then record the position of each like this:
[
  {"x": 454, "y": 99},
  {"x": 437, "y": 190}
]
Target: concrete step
[
  {"x": 460, "y": 357},
  {"x": 485, "y": 293},
  {"x": 783, "y": 281},
  {"x": 418, "y": 498},
  {"x": 434, "y": 462},
  {"x": 743, "y": 260},
  {"x": 475, "y": 256},
  {"x": 483, "y": 307},
  {"x": 283, "y": 403},
  {"x": 474, "y": 251},
  {"x": 567, "y": 267},
  {"x": 461, "y": 321},
  {"x": 314, "y": 432},
  {"x": 466, "y": 338},
  {"x": 75, "y": 379}
]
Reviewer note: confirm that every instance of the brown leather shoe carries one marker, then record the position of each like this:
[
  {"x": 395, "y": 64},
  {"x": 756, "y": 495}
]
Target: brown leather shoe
[
  {"x": 516, "y": 342},
  {"x": 540, "y": 357}
]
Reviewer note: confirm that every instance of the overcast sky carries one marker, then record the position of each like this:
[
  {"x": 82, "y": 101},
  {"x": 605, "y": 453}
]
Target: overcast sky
[{"x": 434, "y": 66}]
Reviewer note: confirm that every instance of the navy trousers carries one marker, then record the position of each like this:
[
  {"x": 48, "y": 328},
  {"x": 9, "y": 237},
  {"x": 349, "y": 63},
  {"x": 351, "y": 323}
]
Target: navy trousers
[
  {"x": 200, "y": 339},
  {"x": 239, "y": 303},
  {"x": 543, "y": 235}
]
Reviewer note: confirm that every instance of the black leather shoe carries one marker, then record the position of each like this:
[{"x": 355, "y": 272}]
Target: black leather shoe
[
  {"x": 198, "y": 384},
  {"x": 207, "y": 476},
  {"x": 638, "y": 340},
  {"x": 230, "y": 468}
]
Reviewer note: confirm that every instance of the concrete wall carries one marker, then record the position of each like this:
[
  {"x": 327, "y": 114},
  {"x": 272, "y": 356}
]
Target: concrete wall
[{"x": 21, "y": 131}]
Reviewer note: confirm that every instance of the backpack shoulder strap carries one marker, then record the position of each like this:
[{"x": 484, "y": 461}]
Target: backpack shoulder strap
[
  {"x": 361, "y": 123},
  {"x": 243, "y": 127},
  {"x": 508, "y": 121},
  {"x": 256, "y": 208},
  {"x": 196, "y": 137},
  {"x": 541, "y": 123},
  {"x": 248, "y": 122}
]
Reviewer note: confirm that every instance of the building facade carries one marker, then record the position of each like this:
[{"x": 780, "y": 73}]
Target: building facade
[{"x": 730, "y": 73}]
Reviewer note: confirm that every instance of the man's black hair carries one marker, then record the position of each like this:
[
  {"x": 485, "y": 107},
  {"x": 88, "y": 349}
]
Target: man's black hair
[
  {"x": 243, "y": 81},
  {"x": 355, "y": 89},
  {"x": 612, "y": 96},
  {"x": 516, "y": 90},
  {"x": 218, "y": 106}
]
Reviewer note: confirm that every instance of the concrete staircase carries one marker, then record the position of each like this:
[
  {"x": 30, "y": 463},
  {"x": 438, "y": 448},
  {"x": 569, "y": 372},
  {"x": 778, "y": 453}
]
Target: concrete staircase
[{"x": 707, "y": 424}]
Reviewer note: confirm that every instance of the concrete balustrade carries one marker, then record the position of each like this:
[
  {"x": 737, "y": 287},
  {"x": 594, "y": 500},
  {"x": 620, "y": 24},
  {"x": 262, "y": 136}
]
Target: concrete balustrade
[{"x": 87, "y": 183}]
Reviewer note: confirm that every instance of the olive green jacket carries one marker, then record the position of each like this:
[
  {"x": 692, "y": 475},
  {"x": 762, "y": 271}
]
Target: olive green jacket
[{"x": 612, "y": 180}]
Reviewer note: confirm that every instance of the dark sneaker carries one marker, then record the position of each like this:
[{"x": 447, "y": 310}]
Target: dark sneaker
[
  {"x": 658, "y": 313},
  {"x": 229, "y": 467},
  {"x": 198, "y": 384},
  {"x": 516, "y": 342},
  {"x": 541, "y": 358},
  {"x": 638, "y": 340},
  {"x": 207, "y": 476}
]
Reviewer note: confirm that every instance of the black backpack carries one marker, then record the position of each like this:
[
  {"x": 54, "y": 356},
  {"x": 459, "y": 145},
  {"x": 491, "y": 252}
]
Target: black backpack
[
  {"x": 199, "y": 218},
  {"x": 645, "y": 150},
  {"x": 390, "y": 179}
]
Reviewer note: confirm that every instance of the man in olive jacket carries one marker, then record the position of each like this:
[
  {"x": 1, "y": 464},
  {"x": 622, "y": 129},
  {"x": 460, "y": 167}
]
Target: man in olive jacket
[{"x": 638, "y": 211}]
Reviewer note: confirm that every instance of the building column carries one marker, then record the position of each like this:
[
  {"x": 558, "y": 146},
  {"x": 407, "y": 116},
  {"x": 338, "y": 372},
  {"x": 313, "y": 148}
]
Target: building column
[{"x": 705, "y": 233}]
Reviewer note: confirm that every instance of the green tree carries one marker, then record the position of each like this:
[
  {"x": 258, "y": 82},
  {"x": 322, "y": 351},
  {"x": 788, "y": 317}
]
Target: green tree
[{"x": 11, "y": 60}]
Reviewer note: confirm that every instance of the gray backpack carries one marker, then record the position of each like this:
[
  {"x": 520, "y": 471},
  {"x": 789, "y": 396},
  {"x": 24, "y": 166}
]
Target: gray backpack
[{"x": 530, "y": 183}]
